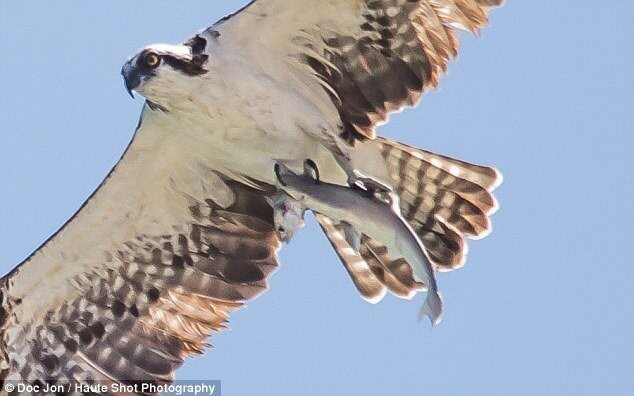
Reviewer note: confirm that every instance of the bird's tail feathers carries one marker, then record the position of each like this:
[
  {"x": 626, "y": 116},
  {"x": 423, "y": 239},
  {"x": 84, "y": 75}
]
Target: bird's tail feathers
[{"x": 442, "y": 198}]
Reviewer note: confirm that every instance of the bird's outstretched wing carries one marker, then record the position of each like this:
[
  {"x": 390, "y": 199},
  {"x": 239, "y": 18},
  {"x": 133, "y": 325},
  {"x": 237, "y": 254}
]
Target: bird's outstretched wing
[
  {"x": 136, "y": 281},
  {"x": 371, "y": 56}
]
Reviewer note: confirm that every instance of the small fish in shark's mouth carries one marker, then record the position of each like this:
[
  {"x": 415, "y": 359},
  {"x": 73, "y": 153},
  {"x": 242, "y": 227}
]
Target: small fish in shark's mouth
[{"x": 362, "y": 212}]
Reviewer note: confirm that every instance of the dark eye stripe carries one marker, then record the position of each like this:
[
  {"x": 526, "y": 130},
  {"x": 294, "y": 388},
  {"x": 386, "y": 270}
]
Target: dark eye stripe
[{"x": 193, "y": 67}]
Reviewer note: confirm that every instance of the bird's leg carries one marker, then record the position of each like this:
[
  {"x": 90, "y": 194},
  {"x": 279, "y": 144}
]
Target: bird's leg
[
  {"x": 358, "y": 179},
  {"x": 373, "y": 187}
]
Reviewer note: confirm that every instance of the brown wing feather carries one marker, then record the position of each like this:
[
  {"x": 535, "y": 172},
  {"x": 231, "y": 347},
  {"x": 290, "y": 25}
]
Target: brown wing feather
[
  {"x": 364, "y": 279},
  {"x": 139, "y": 319},
  {"x": 401, "y": 49},
  {"x": 372, "y": 269},
  {"x": 395, "y": 273}
]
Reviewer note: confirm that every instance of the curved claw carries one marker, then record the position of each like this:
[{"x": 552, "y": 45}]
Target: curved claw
[
  {"x": 277, "y": 168},
  {"x": 311, "y": 170}
]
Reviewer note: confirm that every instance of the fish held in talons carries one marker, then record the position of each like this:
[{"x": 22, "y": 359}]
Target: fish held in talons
[{"x": 365, "y": 213}]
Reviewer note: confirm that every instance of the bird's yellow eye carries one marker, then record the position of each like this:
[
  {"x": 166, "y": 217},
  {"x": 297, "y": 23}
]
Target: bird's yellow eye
[{"x": 152, "y": 60}]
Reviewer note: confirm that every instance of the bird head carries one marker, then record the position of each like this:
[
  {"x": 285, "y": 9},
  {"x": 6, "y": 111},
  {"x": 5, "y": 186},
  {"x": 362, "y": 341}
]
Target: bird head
[{"x": 164, "y": 73}]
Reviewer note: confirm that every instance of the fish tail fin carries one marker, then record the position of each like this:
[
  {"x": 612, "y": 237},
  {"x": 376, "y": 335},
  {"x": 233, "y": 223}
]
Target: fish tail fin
[
  {"x": 443, "y": 199},
  {"x": 432, "y": 307}
]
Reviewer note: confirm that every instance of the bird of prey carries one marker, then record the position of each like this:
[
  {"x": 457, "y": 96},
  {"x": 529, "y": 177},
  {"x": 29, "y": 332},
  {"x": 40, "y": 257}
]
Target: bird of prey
[{"x": 182, "y": 231}]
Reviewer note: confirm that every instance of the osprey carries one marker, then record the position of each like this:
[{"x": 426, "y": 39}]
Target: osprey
[{"x": 185, "y": 228}]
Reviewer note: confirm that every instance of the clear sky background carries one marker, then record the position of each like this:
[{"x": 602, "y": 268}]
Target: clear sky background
[{"x": 544, "y": 305}]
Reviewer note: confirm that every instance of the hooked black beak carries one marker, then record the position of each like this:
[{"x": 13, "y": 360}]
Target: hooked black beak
[{"x": 131, "y": 78}]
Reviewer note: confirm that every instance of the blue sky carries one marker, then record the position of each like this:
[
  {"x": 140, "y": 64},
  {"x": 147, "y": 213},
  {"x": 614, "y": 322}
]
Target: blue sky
[{"x": 544, "y": 304}]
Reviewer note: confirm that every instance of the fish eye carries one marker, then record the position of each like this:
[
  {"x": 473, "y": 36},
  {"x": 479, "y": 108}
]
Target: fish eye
[{"x": 151, "y": 60}]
